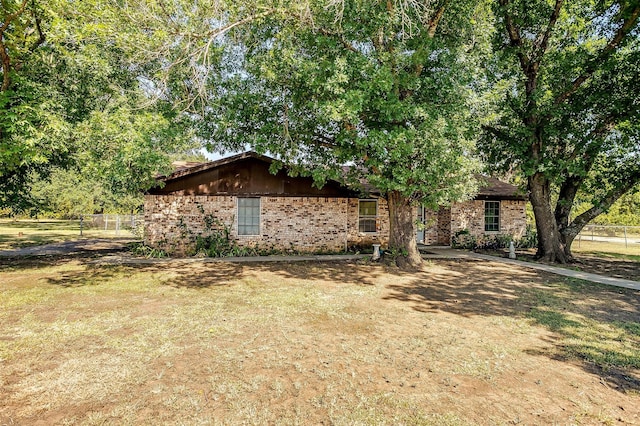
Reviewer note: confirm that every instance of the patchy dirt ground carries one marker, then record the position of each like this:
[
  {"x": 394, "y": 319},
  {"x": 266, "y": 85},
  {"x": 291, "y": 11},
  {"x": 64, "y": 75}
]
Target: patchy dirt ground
[{"x": 467, "y": 342}]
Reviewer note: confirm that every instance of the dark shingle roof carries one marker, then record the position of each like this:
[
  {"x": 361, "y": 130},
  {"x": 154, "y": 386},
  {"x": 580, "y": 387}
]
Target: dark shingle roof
[{"x": 492, "y": 188}]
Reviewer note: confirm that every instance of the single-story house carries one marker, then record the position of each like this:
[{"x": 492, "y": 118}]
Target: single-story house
[{"x": 278, "y": 211}]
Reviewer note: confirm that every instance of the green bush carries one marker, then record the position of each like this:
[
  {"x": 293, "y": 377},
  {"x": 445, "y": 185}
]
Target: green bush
[
  {"x": 140, "y": 249},
  {"x": 529, "y": 239},
  {"x": 463, "y": 240}
]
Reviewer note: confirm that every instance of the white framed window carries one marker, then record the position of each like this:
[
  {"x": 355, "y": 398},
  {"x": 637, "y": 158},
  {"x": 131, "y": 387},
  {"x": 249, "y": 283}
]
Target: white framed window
[
  {"x": 249, "y": 216},
  {"x": 492, "y": 216},
  {"x": 368, "y": 216}
]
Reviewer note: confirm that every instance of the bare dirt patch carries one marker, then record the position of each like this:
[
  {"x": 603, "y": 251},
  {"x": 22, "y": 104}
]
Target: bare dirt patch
[{"x": 461, "y": 342}]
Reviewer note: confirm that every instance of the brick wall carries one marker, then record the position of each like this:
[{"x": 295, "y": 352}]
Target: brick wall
[
  {"x": 308, "y": 224},
  {"x": 302, "y": 223},
  {"x": 470, "y": 215}
]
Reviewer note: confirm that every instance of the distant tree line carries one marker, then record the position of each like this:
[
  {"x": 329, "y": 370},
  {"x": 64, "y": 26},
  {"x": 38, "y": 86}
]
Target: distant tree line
[{"x": 417, "y": 96}]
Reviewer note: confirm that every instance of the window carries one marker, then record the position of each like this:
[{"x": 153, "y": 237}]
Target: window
[
  {"x": 367, "y": 216},
  {"x": 248, "y": 216},
  {"x": 492, "y": 216}
]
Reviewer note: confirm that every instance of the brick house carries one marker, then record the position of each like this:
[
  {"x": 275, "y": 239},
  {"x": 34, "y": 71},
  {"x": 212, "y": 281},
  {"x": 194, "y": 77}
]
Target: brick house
[{"x": 283, "y": 212}]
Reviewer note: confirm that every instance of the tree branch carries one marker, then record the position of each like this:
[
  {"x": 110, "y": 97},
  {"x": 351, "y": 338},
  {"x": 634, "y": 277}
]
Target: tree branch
[
  {"x": 4, "y": 55},
  {"x": 611, "y": 47},
  {"x": 222, "y": 30},
  {"x": 542, "y": 41},
  {"x": 12, "y": 16},
  {"x": 340, "y": 38},
  {"x": 514, "y": 37},
  {"x": 432, "y": 26},
  {"x": 566, "y": 197},
  {"x": 607, "y": 201},
  {"x": 41, "y": 36},
  {"x": 605, "y": 125},
  {"x": 324, "y": 141}
]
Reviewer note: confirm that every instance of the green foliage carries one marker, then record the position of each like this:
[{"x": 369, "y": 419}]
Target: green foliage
[
  {"x": 74, "y": 94},
  {"x": 218, "y": 244},
  {"x": 321, "y": 85},
  {"x": 562, "y": 105},
  {"x": 142, "y": 250},
  {"x": 463, "y": 239},
  {"x": 70, "y": 193},
  {"x": 214, "y": 240},
  {"x": 529, "y": 239}
]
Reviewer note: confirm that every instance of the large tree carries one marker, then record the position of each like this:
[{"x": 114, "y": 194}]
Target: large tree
[
  {"x": 380, "y": 85},
  {"x": 73, "y": 94},
  {"x": 565, "y": 80}
]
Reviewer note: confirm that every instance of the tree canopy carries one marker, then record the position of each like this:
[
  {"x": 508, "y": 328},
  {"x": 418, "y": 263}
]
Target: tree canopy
[
  {"x": 565, "y": 84},
  {"x": 381, "y": 86},
  {"x": 71, "y": 95},
  {"x": 396, "y": 89}
]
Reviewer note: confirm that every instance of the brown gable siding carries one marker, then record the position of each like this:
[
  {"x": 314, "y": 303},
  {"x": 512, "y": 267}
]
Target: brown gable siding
[{"x": 248, "y": 175}]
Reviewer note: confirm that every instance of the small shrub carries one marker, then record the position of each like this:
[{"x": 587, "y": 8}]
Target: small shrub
[
  {"x": 529, "y": 239},
  {"x": 463, "y": 240},
  {"x": 493, "y": 242},
  {"x": 140, "y": 249},
  {"x": 219, "y": 244},
  {"x": 137, "y": 229}
]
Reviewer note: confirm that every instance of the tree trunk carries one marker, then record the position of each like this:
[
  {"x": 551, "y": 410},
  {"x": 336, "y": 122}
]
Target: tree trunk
[
  {"x": 550, "y": 247},
  {"x": 569, "y": 232},
  {"x": 566, "y": 200},
  {"x": 402, "y": 232},
  {"x": 567, "y": 237}
]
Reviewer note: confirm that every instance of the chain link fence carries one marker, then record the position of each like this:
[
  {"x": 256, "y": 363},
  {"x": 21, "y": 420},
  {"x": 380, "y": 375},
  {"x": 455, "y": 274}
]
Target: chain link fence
[
  {"x": 627, "y": 235},
  {"x": 119, "y": 224}
]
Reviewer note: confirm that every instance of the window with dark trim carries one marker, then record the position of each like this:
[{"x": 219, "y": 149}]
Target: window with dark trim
[
  {"x": 492, "y": 216},
  {"x": 368, "y": 216},
  {"x": 248, "y": 216}
]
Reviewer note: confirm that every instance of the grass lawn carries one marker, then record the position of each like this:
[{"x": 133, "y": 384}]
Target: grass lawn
[
  {"x": 607, "y": 250},
  {"x": 466, "y": 342},
  {"x": 25, "y": 233}
]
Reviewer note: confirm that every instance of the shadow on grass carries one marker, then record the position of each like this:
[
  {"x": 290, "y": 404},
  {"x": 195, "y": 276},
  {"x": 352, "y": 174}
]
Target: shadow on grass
[
  {"x": 92, "y": 275},
  {"x": 12, "y": 242},
  {"x": 595, "y": 325},
  {"x": 200, "y": 275}
]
